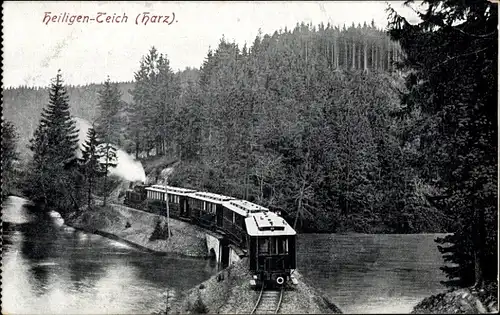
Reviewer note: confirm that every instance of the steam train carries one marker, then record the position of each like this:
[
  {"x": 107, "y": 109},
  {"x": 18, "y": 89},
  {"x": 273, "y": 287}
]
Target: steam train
[{"x": 268, "y": 240}]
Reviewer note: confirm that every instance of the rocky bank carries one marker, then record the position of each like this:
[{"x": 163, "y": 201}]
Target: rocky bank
[
  {"x": 461, "y": 301},
  {"x": 229, "y": 292}
]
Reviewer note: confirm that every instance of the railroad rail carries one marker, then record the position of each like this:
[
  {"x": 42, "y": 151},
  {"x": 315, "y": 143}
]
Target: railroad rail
[{"x": 269, "y": 301}]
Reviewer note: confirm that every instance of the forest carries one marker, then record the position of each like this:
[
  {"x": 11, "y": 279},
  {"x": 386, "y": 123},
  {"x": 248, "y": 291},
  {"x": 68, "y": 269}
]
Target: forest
[
  {"x": 300, "y": 121},
  {"x": 351, "y": 129}
]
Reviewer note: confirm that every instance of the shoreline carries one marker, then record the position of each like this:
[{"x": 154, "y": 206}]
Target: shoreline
[
  {"x": 139, "y": 229},
  {"x": 448, "y": 301},
  {"x": 118, "y": 239}
]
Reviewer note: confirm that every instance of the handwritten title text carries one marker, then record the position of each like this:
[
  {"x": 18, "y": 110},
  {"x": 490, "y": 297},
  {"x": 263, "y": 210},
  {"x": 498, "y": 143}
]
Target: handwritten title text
[{"x": 143, "y": 18}]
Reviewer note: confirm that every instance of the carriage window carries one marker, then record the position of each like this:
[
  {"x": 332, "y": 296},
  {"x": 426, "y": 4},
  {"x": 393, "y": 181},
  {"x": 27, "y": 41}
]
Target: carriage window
[
  {"x": 282, "y": 245},
  {"x": 233, "y": 217},
  {"x": 273, "y": 247},
  {"x": 263, "y": 245}
]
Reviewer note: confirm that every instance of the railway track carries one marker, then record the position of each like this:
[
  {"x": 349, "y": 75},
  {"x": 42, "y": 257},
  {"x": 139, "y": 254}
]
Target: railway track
[{"x": 269, "y": 301}]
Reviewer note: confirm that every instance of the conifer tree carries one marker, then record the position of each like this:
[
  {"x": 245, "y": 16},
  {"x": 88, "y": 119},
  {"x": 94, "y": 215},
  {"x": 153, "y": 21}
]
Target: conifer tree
[
  {"x": 90, "y": 162},
  {"x": 9, "y": 156},
  {"x": 452, "y": 98},
  {"x": 109, "y": 102},
  {"x": 53, "y": 177},
  {"x": 109, "y": 159},
  {"x": 108, "y": 122}
]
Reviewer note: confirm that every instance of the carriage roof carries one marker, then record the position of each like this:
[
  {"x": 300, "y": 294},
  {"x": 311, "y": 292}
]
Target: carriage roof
[
  {"x": 171, "y": 189},
  {"x": 268, "y": 224},
  {"x": 210, "y": 197},
  {"x": 243, "y": 207}
]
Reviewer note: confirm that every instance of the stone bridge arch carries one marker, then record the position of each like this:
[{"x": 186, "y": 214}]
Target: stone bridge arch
[{"x": 225, "y": 253}]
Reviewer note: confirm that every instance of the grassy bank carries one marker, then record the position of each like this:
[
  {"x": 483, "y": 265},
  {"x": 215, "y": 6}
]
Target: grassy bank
[{"x": 146, "y": 230}]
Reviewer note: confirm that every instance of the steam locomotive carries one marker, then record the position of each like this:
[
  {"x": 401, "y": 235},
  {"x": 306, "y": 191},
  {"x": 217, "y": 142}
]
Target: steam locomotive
[{"x": 269, "y": 241}]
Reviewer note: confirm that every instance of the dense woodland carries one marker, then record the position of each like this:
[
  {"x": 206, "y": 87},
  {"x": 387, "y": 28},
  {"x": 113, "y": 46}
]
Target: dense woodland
[{"x": 342, "y": 129}]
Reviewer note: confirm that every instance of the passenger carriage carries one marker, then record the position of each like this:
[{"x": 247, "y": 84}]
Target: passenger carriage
[
  {"x": 232, "y": 218},
  {"x": 263, "y": 235},
  {"x": 271, "y": 249},
  {"x": 177, "y": 200},
  {"x": 204, "y": 207}
]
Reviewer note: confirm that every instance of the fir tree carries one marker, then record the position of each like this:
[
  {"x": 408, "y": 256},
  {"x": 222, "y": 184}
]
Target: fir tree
[
  {"x": 451, "y": 58},
  {"x": 9, "y": 157},
  {"x": 90, "y": 162},
  {"x": 109, "y": 104},
  {"x": 107, "y": 152},
  {"x": 53, "y": 178}
]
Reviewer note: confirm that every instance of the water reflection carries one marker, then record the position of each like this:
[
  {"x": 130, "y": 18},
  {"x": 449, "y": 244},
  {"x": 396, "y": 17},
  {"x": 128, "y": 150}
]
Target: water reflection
[
  {"x": 51, "y": 269},
  {"x": 83, "y": 274}
]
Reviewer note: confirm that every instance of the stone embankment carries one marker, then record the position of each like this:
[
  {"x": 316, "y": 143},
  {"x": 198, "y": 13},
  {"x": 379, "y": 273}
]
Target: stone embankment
[
  {"x": 229, "y": 292},
  {"x": 143, "y": 229}
]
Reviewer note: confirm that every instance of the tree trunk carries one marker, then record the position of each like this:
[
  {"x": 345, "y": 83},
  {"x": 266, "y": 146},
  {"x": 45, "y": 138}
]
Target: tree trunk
[
  {"x": 336, "y": 52},
  {"x": 348, "y": 119},
  {"x": 90, "y": 193},
  {"x": 46, "y": 200},
  {"x": 359, "y": 66},
  {"x": 478, "y": 246},
  {"x": 306, "y": 52},
  {"x": 299, "y": 205},
  {"x": 261, "y": 197},
  {"x": 328, "y": 53},
  {"x": 373, "y": 65},
  {"x": 393, "y": 61},
  {"x": 168, "y": 214},
  {"x": 137, "y": 146},
  {"x": 365, "y": 57},
  {"x": 332, "y": 55},
  {"x": 389, "y": 66},
  {"x": 353, "y": 56},
  {"x": 346, "y": 51},
  {"x": 106, "y": 175}
]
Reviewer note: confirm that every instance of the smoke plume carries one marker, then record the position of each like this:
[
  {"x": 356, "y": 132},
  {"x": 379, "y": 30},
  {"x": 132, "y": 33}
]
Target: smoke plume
[{"x": 127, "y": 167}]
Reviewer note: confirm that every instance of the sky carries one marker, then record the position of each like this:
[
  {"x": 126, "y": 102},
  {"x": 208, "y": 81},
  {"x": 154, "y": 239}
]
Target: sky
[{"x": 36, "y": 45}]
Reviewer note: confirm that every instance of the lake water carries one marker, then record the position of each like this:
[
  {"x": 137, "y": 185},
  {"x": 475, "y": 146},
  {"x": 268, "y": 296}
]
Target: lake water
[
  {"x": 372, "y": 273},
  {"x": 51, "y": 268}
]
